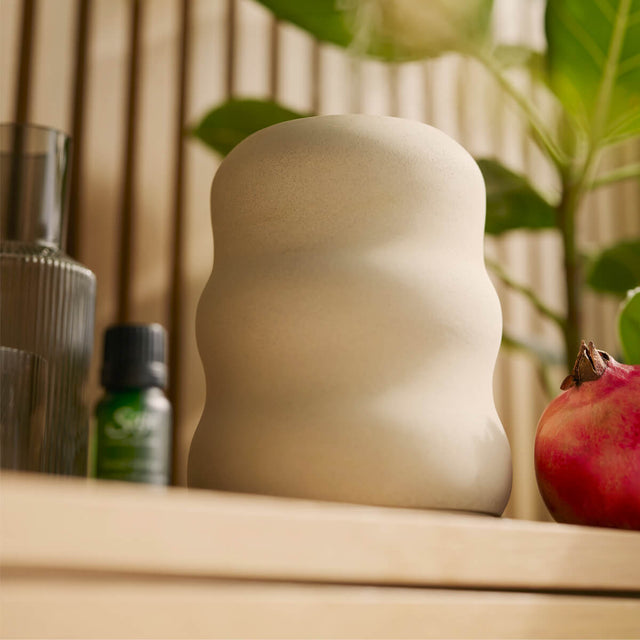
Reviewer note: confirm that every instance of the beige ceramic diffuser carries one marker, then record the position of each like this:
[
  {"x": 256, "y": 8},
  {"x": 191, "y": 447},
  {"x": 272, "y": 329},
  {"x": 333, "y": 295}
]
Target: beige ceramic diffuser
[{"x": 349, "y": 329}]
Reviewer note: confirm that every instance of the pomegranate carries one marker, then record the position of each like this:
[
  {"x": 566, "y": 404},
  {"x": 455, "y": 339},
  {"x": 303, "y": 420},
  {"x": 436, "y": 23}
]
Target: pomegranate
[{"x": 587, "y": 446}]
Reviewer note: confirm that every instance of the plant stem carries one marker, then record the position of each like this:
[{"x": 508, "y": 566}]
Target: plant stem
[
  {"x": 616, "y": 175},
  {"x": 541, "y": 134},
  {"x": 574, "y": 186},
  {"x": 572, "y": 330},
  {"x": 527, "y": 292}
]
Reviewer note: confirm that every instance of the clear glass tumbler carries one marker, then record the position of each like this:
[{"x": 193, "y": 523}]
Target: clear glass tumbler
[
  {"x": 47, "y": 300},
  {"x": 23, "y": 406}
]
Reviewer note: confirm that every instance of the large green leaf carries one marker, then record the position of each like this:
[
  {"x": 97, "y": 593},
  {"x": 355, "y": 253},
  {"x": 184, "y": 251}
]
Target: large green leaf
[
  {"x": 321, "y": 18},
  {"x": 512, "y": 203},
  {"x": 225, "y": 126},
  {"x": 594, "y": 64},
  {"x": 393, "y": 31},
  {"x": 616, "y": 269},
  {"x": 629, "y": 327}
]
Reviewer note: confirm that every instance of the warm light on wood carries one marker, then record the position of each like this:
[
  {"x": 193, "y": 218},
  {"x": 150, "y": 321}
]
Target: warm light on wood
[{"x": 91, "y": 559}]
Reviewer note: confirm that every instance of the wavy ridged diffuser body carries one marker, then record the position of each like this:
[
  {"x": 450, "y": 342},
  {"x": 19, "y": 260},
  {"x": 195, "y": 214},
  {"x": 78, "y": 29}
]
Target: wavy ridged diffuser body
[{"x": 349, "y": 329}]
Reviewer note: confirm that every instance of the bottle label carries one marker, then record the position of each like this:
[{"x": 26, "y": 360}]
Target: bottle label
[
  {"x": 130, "y": 425},
  {"x": 131, "y": 444}
]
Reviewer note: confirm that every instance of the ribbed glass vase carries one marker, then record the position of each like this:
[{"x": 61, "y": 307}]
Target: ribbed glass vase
[{"x": 47, "y": 300}]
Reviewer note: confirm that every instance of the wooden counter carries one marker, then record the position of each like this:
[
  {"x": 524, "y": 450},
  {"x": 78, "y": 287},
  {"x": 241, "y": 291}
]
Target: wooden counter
[{"x": 83, "y": 559}]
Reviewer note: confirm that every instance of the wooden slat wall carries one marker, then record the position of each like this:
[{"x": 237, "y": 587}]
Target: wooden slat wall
[{"x": 127, "y": 76}]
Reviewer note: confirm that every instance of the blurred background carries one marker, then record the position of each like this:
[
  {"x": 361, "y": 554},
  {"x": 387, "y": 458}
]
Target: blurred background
[{"x": 127, "y": 78}]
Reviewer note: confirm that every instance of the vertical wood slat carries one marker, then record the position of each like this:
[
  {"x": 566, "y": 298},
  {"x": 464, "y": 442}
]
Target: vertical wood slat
[
  {"x": 206, "y": 86},
  {"x": 153, "y": 189},
  {"x": 355, "y": 86},
  {"x": 230, "y": 71},
  {"x": 129, "y": 165},
  {"x": 176, "y": 305},
  {"x": 100, "y": 187},
  {"x": 503, "y": 373},
  {"x": 427, "y": 83},
  {"x": 334, "y": 83},
  {"x": 394, "y": 89},
  {"x": 24, "y": 77},
  {"x": 292, "y": 58},
  {"x": 251, "y": 31},
  {"x": 523, "y": 262},
  {"x": 274, "y": 59},
  {"x": 316, "y": 74},
  {"x": 50, "y": 99},
  {"x": 77, "y": 124},
  {"x": 11, "y": 13}
]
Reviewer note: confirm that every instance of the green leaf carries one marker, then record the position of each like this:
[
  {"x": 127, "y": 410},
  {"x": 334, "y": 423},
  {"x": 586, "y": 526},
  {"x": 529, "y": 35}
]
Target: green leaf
[
  {"x": 320, "y": 18},
  {"x": 594, "y": 64},
  {"x": 230, "y": 123},
  {"x": 629, "y": 327},
  {"x": 512, "y": 203},
  {"x": 388, "y": 30},
  {"x": 616, "y": 269}
]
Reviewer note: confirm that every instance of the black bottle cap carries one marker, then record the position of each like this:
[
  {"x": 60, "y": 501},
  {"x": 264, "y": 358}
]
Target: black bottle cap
[{"x": 134, "y": 356}]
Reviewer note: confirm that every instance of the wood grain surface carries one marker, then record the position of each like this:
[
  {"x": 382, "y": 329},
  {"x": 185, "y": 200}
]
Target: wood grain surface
[
  {"x": 75, "y": 524},
  {"x": 129, "y": 607}
]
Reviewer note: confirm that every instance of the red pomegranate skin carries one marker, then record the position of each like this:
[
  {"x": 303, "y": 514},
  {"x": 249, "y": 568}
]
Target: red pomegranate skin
[{"x": 587, "y": 450}]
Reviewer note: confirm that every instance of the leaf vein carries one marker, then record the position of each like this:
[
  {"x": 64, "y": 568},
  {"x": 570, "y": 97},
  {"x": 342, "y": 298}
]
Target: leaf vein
[
  {"x": 622, "y": 124},
  {"x": 634, "y": 19},
  {"x": 606, "y": 10},
  {"x": 630, "y": 64},
  {"x": 605, "y": 90},
  {"x": 582, "y": 36}
]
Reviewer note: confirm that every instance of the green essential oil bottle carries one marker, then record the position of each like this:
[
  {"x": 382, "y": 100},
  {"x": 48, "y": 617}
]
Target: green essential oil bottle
[{"x": 131, "y": 433}]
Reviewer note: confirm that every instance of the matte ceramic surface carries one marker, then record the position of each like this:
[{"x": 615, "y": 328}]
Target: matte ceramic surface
[{"x": 349, "y": 329}]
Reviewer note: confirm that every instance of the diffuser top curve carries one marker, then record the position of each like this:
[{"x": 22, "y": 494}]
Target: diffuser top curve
[{"x": 336, "y": 180}]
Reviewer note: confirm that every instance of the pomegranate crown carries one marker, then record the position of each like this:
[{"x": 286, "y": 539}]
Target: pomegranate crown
[{"x": 590, "y": 365}]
